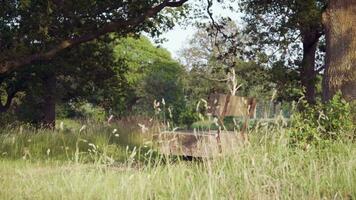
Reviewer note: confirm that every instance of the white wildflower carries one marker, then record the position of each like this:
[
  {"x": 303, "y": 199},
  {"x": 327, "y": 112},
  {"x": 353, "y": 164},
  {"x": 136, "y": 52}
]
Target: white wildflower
[
  {"x": 82, "y": 129},
  {"x": 61, "y": 126},
  {"x": 205, "y": 103},
  {"x": 92, "y": 145},
  {"x": 197, "y": 108},
  {"x": 110, "y": 119},
  {"x": 170, "y": 112},
  {"x": 235, "y": 122},
  {"x": 117, "y": 135},
  {"x": 163, "y": 101},
  {"x": 144, "y": 129},
  {"x": 114, "y": 131},
  {"x": 48, "y": 152},
  {"x": 215, "y": 120},
  {"x": 156, "y": 104}
]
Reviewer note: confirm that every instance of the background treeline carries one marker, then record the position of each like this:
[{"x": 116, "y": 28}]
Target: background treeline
[{"x": 74, "y": 59}]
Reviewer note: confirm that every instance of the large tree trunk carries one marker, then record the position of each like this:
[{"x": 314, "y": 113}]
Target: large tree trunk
[
  {"x": 310, "y": 40},
  {"x": 49, "y": 107},
  {"x": 340, "y": 26}
]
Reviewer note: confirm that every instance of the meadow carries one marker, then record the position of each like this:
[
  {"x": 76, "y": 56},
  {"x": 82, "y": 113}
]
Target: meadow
[{"x": 101, "y": 161}]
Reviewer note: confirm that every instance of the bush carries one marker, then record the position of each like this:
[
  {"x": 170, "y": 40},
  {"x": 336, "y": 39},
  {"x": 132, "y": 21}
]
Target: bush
[
  {"x": 188, "y": 117},
  {"x": 80, "y": 110},
  {"x": 322, "y": 122}
]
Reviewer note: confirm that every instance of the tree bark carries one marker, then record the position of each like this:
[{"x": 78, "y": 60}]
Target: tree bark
[
  {"x": 340, "y": 73},
  {"x": 6, "y": 106},
  {"x": 49, "y": 106},
  {"x": 308, "y": 73}
]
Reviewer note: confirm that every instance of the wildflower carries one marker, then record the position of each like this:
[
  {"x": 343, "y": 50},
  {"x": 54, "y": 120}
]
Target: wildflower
[
  {"x": 61, "y": 126},
  {"x": 274, "y": 94},
  {"x": 215, "y": 120},
  {"x": 143, "y": 128},
  {"x": 83, "y": 140},
  {"x": 170, "y": 112},
  {"x": 205, "y": 103},
  {"x": 114, "y": 131},
  {"x": 92, "y": 145},
  {"x": 198, "y": 105},
  {"x": 48, "y": 151},
  {"x": 110, "y": 119},
  {"x": 163, "y": 101},
  {"x": 235, "y": 122},
  {"x": 83, "y": 128},
  {"x": 117, "y": 135},
  {"x": 155, "y": 104},
  {"x": 26, "y": 152}
]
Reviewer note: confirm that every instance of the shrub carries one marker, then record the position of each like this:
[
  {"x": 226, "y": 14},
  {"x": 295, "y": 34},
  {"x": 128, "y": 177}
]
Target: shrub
[
  {"x": 188, "y": 117},
  {"x": 322, "y": 122}
]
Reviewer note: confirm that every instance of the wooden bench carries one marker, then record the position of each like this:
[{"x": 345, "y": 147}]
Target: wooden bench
[{"x": 213, "y": 142}]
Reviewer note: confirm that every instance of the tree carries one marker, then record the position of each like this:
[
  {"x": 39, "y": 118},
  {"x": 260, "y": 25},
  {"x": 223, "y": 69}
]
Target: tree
[
  {"x": 216, "y": 65},
  {"x": 340, "y": 73},
  {"x": 143, "y": 59},
  {"x": 88, "y": 73},
  {"x": 35, "y": 32},
  {"x": 279, "y": 24},
  {"x": 42, "y": 29},
  {"x": 164, "y": 81}
]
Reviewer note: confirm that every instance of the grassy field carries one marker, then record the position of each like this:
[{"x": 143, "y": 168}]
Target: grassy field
[{"x": 96, "y": 163}]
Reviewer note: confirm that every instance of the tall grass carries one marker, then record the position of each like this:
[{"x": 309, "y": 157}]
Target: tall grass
[
  {"x": 71, "y": 141},
  {"x": 266, "y": 168}
]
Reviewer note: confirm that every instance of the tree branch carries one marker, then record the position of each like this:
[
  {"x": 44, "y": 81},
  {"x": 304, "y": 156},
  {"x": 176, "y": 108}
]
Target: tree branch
[{"x": 10, "y": 65}]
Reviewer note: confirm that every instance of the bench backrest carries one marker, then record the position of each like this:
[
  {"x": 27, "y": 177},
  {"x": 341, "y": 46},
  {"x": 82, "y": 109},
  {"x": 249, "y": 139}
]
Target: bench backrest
[{"x": 223, "y": 105}]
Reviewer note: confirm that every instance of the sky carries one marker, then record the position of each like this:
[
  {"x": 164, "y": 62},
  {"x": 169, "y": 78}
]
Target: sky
[
  {"x": 177, "y": 39},
  {"x": 179, "y": 36}
]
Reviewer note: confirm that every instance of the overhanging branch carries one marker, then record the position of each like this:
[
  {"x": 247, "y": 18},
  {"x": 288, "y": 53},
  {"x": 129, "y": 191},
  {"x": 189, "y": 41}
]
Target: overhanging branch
[{"x": 10, "y": 65}]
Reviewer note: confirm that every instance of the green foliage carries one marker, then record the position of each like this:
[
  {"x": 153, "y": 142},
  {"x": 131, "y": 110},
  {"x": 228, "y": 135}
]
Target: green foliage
[
  {"x": 353, "y": 110},
  {"x": 322, "y": 122},
  {"x": 209, "y": 61},
  {"x": 286, "y": 81},
  {"x": 81, "y": 111},
  {"x": 255, "y": 79},
  {"x": 87, "y": 73},
  {"x": 188, "y": 117},
  {"x": 151, "y": 75}
]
